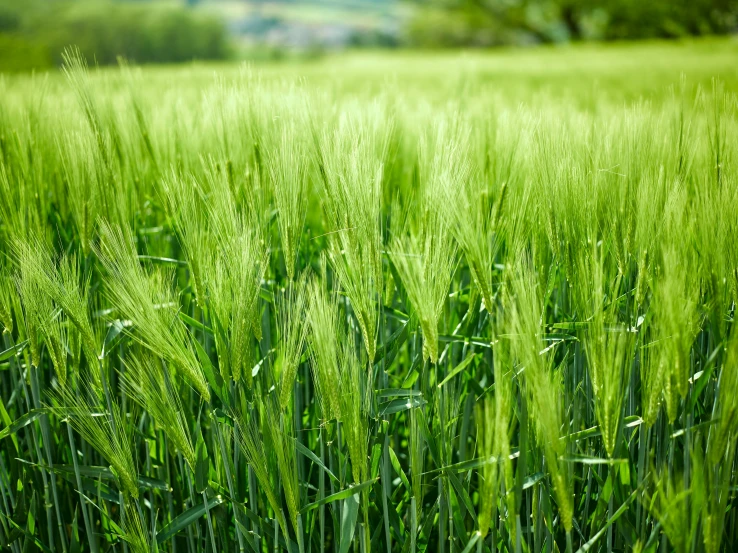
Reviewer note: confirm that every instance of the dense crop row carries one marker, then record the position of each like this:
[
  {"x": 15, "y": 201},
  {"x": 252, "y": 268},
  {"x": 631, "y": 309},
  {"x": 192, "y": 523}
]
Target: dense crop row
[{"x": 259, "y": 314}]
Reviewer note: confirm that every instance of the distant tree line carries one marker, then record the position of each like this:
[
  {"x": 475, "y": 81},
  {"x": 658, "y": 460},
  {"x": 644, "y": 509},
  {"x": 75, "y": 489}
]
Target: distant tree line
[
  {"x": 490, "y": 22},
  {"x": 33, "y": 33}
]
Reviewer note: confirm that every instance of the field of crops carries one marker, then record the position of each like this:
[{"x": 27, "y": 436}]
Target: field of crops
[{"x": 449, "y": 303}]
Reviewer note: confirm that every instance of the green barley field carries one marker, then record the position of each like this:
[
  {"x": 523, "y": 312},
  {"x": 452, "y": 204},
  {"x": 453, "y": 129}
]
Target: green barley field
[{"x": 453, "y": 303}]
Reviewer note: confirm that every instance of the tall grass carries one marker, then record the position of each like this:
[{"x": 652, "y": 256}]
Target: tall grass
[{"x": 324, "y": 310}]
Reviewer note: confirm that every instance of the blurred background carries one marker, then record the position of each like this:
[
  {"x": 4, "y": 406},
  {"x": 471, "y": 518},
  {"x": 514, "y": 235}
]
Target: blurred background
[{"x": 33, "y": 33}]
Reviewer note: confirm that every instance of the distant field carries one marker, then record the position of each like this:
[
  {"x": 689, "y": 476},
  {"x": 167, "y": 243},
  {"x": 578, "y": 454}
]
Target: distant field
[
  {"x": 404, "y": 301},
  {"x": 586, "y": 73}
]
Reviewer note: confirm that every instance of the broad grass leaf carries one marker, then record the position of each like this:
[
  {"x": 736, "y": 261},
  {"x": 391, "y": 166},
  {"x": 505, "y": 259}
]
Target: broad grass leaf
[
  {"x": 215, "y": 380},
  {"x": 202, "y": 464},
  {"x": 104, "y": 473},
  {"x": 349, "y": 515},
  {"x": 401, "y": 404},
  {"x": 7, "y": 422},
  {"x": 13, "y": 350},
  {"x": 388, "y": 351},
  {"x": 183, "y": 520},
  {"x": 196, "y": 324},
  {"x": 458, "y": 368},
  {"x": 396, "y": 392},
  {"x": 314, "y": 458},
  {"x": 398, "y": 469},
  {"x": 22, "y": 422},
  {"x": 343, "y": 494}
]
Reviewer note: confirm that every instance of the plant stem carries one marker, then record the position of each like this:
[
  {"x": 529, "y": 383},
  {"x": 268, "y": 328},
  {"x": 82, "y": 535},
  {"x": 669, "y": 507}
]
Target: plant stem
[
  {"x": 209, "y": 521},
  {"x": 413, "y": 524},
  {"x": 85, "y": 515},
  {"x": 46, "y": 440},
  {"x": 229, "y": 478}
]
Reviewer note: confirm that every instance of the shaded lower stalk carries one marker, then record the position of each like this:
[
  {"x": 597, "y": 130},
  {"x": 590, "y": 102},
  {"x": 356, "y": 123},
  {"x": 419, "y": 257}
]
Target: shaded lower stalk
[
  {"x": 209, "y": 521},
  {"x": 367, "y": 542},
  {"x": 339, "y": 458},
  {"x": 384, "y": 466},
  {"x": 44, "y": 477},
  {"x": 493, "y": 536},
  {"x": 609, "y": 509},
  {"x": 5, "y": 512},
  {"x": 7, "y": 507},
  {"x": 85, "y": 515},
  {"x": 385, "y": 483},
  {"x": 300, "y": 539},
  {"x": 15, "y": 547},
  {"x": 33, "y": 438},
  {"x": 441, "y": 505},
  {"x": 414, "y": 524},
  {"x": 46, "y": 440},
  {"x": 229, "y": 478},
  {"x": 190, "y": 546},
  {"x": 362, "y": 538},
  {"x": 253, "y": 505},
  {"x": 152, "y": 512},
  {"x": 441, "y": 519},
  {"x": 642, "y": 448},
  {"x": 321, "y": 491},
  {"x": 114, "y": 425},
  {"x": 170, "y": 502},
  {"x": 122, "y": 501}
]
